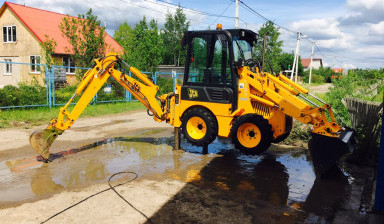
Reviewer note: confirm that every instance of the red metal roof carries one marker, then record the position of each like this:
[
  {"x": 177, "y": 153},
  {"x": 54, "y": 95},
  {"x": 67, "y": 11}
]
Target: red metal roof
[
  {"x": 307, "y": 61},
  {"x": 42, "y": 22}
]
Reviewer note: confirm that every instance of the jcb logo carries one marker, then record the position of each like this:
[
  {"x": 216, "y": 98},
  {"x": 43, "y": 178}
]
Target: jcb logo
[{"x": 192, "y": 93}]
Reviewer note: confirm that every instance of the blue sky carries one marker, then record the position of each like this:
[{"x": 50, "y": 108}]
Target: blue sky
[{"x": 348, "y": 33}]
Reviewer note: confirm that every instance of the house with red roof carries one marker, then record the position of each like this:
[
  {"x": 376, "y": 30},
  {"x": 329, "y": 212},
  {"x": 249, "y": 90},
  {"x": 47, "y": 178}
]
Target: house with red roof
[
  {"x": 316, "y": 63},
  {"x": 24, "y": 29}
]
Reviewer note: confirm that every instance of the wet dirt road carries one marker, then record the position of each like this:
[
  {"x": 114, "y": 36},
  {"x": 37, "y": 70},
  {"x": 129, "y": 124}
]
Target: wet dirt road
[{"x": 188, "y": 186}]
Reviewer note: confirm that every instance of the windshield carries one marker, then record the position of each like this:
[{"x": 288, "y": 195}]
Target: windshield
[{"x": 242, "y": 50}]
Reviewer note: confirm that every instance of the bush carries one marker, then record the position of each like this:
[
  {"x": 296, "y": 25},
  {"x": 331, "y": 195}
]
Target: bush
[
  {"x": 165, "y": 85},
  {"x": 24, "y": 94},
  {"x": 315, "y": 79},
  {"x": 357, "y": 85},
  {"x": 9, "y": 96},
  {"x": 32, "y": 94},
  {"x": 320, "y": 75},
  {"x": 64, "y": 94}
]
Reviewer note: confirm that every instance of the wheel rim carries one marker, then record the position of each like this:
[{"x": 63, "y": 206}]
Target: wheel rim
[
  {"x": 249, "y": 135},
  {"x": 196, "y": 128}
]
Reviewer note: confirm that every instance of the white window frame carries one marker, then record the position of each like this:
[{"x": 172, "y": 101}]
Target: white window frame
[
  {"x": 30, "y": 66},
  {"x": 7, "y": 65},
  {"x": 68, "y": 70},
  {"x": 7, "y": 35}
]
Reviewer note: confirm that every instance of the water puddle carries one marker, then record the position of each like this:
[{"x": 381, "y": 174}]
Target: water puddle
[{"x": 280, "y": 176}]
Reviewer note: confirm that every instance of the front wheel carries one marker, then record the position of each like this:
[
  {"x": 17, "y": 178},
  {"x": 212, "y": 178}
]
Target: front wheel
[
  {"x": 251, "y": 134},
  {"x": 199, "y": 126}
]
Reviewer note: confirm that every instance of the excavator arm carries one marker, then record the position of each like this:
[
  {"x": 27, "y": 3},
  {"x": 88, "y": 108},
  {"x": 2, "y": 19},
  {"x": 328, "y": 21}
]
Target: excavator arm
[{"x": 92, "y": 81}]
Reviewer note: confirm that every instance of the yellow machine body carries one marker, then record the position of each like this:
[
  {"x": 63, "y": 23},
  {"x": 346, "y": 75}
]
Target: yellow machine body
[{"x": 260, "y": 110}]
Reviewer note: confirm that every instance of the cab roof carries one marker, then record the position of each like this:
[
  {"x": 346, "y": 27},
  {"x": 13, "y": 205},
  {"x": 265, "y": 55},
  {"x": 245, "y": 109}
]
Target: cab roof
[{"x": 240, "y": 34}]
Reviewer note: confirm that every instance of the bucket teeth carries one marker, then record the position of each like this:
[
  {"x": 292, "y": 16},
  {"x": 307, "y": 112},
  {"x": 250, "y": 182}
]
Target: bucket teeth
[
  {"x": 41, "y": 141},
  {"x": 326, "y": 151}
]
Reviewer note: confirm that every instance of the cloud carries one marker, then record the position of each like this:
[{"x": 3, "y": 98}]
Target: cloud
[
  {"x": 364, "y": 11},
  {"x": 319, "y": 28},
  {"x": 355, "y": 28},
  {"x": 358, "y": 33},
  {"x": 115, "y": 12},
  {"x": 378, "y": 28},
  {"x": 366, "y": 5},
  {"x": 348, "y": 66}
]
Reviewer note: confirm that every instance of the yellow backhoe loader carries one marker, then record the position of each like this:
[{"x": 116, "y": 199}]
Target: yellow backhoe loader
[{"x": 224, "y": 94}]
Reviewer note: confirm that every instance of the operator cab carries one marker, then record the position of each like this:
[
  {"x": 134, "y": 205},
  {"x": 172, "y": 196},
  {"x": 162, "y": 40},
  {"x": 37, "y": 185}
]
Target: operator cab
[{"x": 212, "y": 60}]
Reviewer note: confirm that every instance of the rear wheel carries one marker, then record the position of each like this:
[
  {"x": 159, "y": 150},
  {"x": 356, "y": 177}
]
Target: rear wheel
[
  {"x": 251, "y": 134},
  {"x": 199, "y": 126}
]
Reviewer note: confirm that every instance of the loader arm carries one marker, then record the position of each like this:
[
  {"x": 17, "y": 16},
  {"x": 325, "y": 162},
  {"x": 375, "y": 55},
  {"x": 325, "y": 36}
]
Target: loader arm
[
  {"x": 281, "y": 93},
  {"x": 90, "y": 84},
  {"x": 329, "y": 140}
]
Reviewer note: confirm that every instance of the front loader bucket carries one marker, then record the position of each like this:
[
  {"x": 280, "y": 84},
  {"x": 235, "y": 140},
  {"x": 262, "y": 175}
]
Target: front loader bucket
[
  {"x": 41, "y": 141},
  {"x": 326, "y": 151}
]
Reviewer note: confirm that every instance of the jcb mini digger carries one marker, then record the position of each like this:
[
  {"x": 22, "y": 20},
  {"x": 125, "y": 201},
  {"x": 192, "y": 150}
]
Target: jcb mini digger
[{"x": 224, "y": 94}]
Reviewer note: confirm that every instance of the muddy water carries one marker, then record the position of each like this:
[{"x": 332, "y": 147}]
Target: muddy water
[{"x": 281, "y": 177}]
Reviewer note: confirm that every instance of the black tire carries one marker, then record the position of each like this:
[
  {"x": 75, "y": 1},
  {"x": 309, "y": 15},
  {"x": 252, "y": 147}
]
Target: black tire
[
  {"x": 210, "y": 126},
  {"x": 288, "y": 129},
  {"x": 265, "y": 131}
]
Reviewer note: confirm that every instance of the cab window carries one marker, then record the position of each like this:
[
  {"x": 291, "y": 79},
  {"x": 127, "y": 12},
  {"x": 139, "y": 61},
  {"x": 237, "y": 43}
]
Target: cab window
[{"x": 209, "y": 61}]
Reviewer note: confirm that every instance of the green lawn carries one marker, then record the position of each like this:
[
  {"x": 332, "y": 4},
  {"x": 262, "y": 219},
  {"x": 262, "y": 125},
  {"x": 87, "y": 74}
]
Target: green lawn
[{"x": 42, "y": 115}]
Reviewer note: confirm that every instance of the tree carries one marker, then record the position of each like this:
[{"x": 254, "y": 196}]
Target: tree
[
  {"x": 286, "y": 61},
  {"x": 48, "y": 49},
  {"x": 273, "y": 46},
  {"x": 173, "y": 31},
  {"x": 143, "y": 45},
  {"x": 125, "y": 37},
  {"x": 86, "y": 37}
]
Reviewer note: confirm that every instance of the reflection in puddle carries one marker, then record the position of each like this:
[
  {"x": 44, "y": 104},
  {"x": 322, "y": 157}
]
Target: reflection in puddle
[{"x": 280, "y": 177}]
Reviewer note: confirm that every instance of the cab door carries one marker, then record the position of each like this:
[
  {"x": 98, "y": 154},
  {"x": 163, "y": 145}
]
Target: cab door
[{"x": 209, "y": 75}]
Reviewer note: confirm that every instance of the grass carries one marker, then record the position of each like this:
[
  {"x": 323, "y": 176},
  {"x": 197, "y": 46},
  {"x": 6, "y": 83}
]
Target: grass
[
  {"x": 42, "y": 115},
  {"x": 306, "y": 85}
]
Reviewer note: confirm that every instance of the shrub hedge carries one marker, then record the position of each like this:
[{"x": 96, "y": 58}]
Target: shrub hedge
[
  {"x": 35, "y": 94},
  {"x": 23, "y": 94}
]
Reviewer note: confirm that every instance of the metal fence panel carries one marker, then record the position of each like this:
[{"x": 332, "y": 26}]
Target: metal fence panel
[
  {"x": 23, "y": 84},
  {"x": 41, "y": 86}
]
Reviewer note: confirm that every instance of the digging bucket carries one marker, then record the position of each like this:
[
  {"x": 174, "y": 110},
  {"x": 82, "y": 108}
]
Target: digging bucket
[
  {"x": 41, "y": 141},
  {"x": 326, "y": 151}
]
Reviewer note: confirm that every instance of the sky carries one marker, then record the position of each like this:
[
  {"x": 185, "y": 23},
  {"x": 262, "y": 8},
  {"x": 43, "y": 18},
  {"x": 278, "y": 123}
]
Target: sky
[{"x": 347, "y": 33}]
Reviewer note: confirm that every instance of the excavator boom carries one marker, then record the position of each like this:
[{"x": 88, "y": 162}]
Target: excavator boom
[{"x": 92, "y": 81}]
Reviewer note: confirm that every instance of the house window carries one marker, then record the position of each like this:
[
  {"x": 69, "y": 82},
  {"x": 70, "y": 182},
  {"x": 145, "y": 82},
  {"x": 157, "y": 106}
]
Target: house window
[
  {"x": 8, "y": 66},
  {"x": 35, "y": 61},
  {"x": 69, "y": 63},
  {"x": 9, "y": 34}
]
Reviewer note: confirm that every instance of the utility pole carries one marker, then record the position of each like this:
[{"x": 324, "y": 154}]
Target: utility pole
[
  {"x": 264, "y": 48},
  {"x": 237, "y": 15},
  {"x": 295, "y": 66},
  {"x": 297, "y": 57},
  {"x": 296, "y": 53},
  {"x": 310, "y": 68}
]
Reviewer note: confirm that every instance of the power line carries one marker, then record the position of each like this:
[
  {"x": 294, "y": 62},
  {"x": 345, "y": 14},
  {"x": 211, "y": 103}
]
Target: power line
[
  {"x": 339, "y": 56},
  {"x": 188, "y": 9},
  {"x": 97, "y": 3},
  {"x": 141, "y": 6},
  {"x": 263, "y": 17},
  {"x": 229, "y": 5}
]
